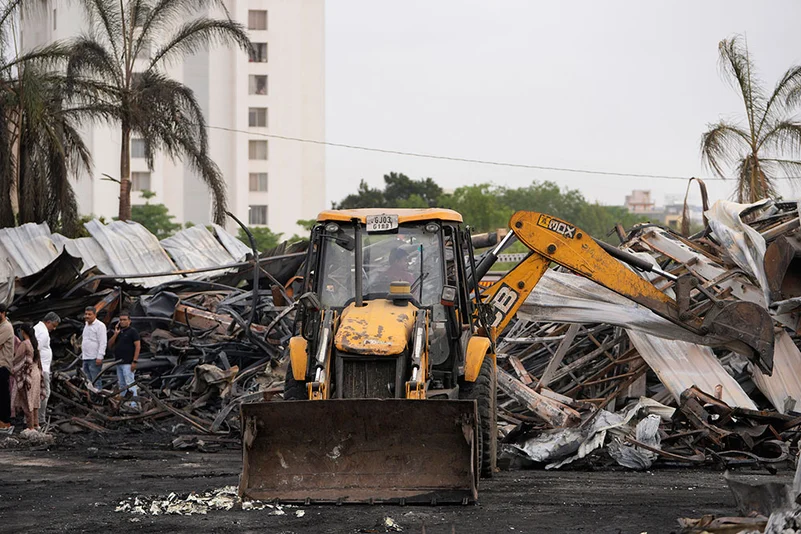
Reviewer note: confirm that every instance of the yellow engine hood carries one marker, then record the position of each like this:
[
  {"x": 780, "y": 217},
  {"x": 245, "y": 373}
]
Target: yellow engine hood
[{"x": 378, "y": 328}]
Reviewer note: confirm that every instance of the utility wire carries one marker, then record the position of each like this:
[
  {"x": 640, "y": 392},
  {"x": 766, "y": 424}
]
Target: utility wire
[{"x": 469, "y": 160}]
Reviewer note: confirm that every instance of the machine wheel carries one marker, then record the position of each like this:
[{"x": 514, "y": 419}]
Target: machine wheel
[
  {"x": 484, "y": 390},
  {"x": 294, "y": 389}
]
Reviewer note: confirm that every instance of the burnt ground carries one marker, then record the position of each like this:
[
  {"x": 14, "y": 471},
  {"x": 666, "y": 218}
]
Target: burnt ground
[{"x": 72, "y": 488}]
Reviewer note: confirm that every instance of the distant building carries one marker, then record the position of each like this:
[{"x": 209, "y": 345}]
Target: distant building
[
  {"x": 639, "y": 201},
  {"x": 671, "y": 215},
  {"x": 279, "y": 89}
]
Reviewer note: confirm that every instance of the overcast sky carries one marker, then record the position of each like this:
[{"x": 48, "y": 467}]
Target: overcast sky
[{"x": 625, "y": 86}]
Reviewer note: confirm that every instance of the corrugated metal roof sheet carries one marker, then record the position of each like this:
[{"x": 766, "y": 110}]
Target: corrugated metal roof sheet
[
  {"x": 88, "y": 250},
  {"x": 568, "y": 298},
  {"x": 29, "y": 247},
  {"x": 196, "y": 248},
  {"x": 783, "y": 387},
  {"x": 132, "y": 249},
  {"x": 680, "y": 365},
  {"x": 236, "y": 248},
  {"x": 119, "y": 248}
]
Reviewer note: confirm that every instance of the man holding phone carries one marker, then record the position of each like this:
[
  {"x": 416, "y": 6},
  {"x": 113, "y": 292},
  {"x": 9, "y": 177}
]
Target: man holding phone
[{"x": 126, "y": 345}]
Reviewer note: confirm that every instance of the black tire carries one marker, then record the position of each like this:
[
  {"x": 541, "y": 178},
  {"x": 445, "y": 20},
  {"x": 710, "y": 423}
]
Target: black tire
[
  {"x": 484, "y": 390},
  {"x": 294, "y": 389}
]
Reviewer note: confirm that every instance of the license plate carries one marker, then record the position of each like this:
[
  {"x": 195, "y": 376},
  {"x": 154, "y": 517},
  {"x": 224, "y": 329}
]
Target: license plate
[{"x": 381, "y": 223}]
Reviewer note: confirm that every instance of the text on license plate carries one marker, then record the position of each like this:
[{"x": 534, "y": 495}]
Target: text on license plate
[{"x": 381, "y": 223}]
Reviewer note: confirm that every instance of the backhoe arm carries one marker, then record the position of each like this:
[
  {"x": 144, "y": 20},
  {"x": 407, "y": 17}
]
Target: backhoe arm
[{"x": 741, "y": 326}]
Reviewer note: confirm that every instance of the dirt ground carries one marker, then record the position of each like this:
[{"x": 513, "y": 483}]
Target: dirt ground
[{"x": 76, "y": 489}]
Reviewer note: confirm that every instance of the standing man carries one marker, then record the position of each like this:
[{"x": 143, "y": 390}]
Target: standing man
[
  {"x": 42, "y": 331},
  {"x": 126, "y": 345},
  {"x": 6, "y": 363},
  {"x": 93, "y": 344}
]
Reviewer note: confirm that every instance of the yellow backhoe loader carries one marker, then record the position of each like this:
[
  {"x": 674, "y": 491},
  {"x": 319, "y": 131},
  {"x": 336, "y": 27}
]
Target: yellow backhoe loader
[{"x": 391, "y": 386}]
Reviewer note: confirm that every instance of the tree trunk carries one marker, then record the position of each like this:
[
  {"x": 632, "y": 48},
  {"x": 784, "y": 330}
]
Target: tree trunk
[
  {"x": 16, "y": 147},
  {"x": 125, "y": 173}
]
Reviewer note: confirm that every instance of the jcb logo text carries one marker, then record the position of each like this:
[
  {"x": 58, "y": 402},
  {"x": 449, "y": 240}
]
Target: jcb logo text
[{"x": 555, "y": 225}]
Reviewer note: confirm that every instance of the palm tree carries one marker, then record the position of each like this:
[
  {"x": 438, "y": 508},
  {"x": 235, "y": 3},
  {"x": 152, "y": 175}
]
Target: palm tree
[
  {"x": 40, "y": 148},
  {"x": 142, "y": 100},
  {"x": 767, "y": 146}
]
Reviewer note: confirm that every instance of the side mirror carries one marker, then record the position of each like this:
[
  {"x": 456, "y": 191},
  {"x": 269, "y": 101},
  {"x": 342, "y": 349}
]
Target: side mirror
[{"x": 448, "y": 297}]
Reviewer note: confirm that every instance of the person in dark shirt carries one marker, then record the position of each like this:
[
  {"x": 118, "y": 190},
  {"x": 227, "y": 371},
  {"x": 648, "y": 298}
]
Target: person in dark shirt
[
  {"x": 398, "y": 270},
  {"x": 125, "y": 344}
]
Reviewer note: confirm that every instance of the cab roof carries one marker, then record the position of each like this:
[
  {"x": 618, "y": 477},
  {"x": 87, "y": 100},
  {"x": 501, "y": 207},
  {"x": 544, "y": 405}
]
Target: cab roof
[{"x": 405, "y": 215}]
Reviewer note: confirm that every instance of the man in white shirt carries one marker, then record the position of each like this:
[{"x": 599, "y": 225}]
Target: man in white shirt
[
  {"x": 42, "y": 331},
  {"x": 93, "y": 344}
]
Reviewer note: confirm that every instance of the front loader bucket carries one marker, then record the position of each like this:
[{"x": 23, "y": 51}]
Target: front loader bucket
[{"x": 360, "y": 451}]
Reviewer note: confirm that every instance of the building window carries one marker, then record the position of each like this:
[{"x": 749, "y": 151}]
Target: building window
[
  {"x": 257, "y": 149},
  {"x": 140, "y": 181},
  {"x": 258, "y": 181},
  {"x": 257, "y": 117},
  {"x": 257, "y": 20},
  {"x": 258, "y": 52},
  {"x": 137, "y": 148},
  {"x": 257, "y": 215},
  {"x": 257, "y": 84},
  {"x": 54, "y": 19}
]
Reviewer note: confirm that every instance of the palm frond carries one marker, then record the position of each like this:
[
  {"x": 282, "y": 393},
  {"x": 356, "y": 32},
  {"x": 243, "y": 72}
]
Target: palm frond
[
  {"x": 164, "y": 15},
  {"x": 789, "y": 168},
  {"x": 8, "y": 10},
  {"x": 46, "y": 57},
  {"x": 51, "y": 151},
  {"x": 196, "y": 35},
  {"x": 785, "y": 96},
  {"x": 169, "y": 119},
  {"x": 89, "y": 59},
  {"x": 736, "y": 64},
  {"x": 722, "y": 142},
  {"x": 105, "y": 19},
  {"x": 783, "y": 138}
]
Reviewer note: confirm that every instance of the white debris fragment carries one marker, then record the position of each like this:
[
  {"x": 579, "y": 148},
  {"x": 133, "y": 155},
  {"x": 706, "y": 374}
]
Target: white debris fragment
[
  {"x": 300, "y": 513},
  {"x": 391, "y": 525},
  {"x": 279, "y": 510},
  {"x": 225, "y": 498}
]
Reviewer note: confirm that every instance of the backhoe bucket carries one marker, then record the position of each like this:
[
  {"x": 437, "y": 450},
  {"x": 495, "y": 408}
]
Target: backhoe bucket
[{"x": 360, "y": 451}]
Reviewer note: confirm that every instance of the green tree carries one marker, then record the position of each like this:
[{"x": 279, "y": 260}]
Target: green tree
[
  {"x": 767, "y": 145},
  {"x": 40, "y": 148},
  {"x": 143, "y": 100},
  {"x": 399, "y": 189},
  {"x": 413, "y": 201},
  {"x": 481, "y": 206},
  {"x": 365, "y": 197},
  {"x": 154, "y": 217},
  {"x": 265, "y": 238},
  {"x": 308, "y": 224}
]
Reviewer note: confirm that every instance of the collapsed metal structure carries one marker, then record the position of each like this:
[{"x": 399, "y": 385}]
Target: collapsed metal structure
[
  {"x": 584, "y": 369},
  {"x": 210, "y": 334},
  {"x": 584, "y": 374}
]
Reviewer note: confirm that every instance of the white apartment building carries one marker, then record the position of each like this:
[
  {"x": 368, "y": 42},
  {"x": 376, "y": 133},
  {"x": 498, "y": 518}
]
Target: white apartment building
[{"x": 279, "y": 90}]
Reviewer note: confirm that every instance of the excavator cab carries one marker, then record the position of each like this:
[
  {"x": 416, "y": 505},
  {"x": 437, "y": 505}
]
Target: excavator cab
[{"x": 387, "y": 371}]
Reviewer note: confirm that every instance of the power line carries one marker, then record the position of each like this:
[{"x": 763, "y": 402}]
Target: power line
[{"x": 469, "y": 160}]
